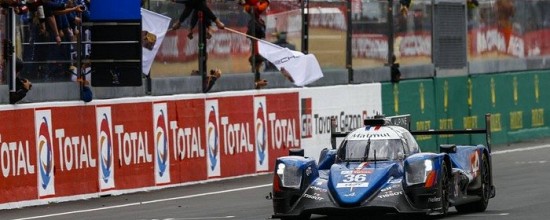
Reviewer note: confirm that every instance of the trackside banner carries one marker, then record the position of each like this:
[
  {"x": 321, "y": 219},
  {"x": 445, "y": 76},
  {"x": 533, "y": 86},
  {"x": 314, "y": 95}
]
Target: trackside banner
[
  {"x": 52, "y": 152},
  {"x": 348, "y": 105},
  {"x": 185, "y": 141},
  {"x": 133, "y": 145},
  {"x": 74, "y": 148},
  {"x": 18, "y": 156}
]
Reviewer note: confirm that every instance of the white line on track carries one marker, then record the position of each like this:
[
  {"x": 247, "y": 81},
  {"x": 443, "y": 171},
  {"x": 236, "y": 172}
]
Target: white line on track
[
  {"x": 200, "y": 218},
  {"x": 146, "y": 202},
  {"x": 230, "y": 190},
  {"x": 520, "y": 149},
  {"x": 488, "y": 214}
]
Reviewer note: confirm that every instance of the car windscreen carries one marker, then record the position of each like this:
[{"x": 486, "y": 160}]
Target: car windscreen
[{"x": 370, "y": 150}]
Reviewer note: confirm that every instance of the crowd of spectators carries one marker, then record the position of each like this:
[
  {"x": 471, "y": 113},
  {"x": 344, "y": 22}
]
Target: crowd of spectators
[{"x": 49, "y": 33}]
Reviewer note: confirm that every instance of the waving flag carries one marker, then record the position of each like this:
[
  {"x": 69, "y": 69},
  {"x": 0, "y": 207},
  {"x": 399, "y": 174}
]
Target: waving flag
[
  {"x": 304, "y": 69},
  {"x": 154, "y": 27}
]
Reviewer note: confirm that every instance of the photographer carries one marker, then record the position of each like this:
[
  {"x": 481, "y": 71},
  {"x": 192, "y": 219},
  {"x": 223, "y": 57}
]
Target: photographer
[{"x": 22, "y": 85}]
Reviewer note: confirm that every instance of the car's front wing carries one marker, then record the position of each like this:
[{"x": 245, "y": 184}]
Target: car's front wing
[{"x": 390, "y": 199}]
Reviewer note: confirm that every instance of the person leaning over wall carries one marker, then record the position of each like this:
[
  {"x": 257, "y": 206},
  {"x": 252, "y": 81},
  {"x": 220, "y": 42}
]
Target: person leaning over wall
[{"x": 22, "y": 85}]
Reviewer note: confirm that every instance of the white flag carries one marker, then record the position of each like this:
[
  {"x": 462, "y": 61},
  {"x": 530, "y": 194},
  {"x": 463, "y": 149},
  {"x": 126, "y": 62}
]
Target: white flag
[
  {"x": 154, "y": 27},
  {"x": 304, "y": 69}
]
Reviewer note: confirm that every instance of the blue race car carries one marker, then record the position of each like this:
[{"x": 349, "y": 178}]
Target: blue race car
[{"x": 379, "y": 169}]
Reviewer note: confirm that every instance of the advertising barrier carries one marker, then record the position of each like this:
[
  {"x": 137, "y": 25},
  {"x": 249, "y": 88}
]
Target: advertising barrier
[
  {"x": 18, "y": 156},
  {"x": 74, "y": 145},
  {"x": 517, "y": 103},
  {"x": 52, "y": 152},
  {"x": 452, "y": 101},
  {"x": 132, "y": 145},
  {"x": 184, "y": 140},
  {"x": 414, "y": 97}
]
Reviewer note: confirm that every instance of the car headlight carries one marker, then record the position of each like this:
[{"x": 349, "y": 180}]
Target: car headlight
[
  {"x": 290, "y": 176},
  {"x": 420, "y": 172}
]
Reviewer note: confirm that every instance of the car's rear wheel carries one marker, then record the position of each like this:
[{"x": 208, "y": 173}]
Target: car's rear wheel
[{"x": 484, "y": 191}]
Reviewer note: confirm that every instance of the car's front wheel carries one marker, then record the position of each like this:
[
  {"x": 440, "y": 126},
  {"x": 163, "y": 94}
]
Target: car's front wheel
[{"x": 444, "y": 187}]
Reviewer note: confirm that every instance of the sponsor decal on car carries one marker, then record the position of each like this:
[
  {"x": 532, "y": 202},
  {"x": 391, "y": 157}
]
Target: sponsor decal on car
[
  {"x": 345, "y": 172},
  {"x": 390, "y": 194},
  {"x": 396, "y": 181},
  {"x": 354, "y": 185},
  {"x": 315, "y": 196},
  {"x": 351, "y": 194},
  {"x": 390, "y": 187},
  {"x": 316, "y": 188},
  {"x": 353, "y": 180},
  {"x": 308, "y": 171},
  {"x": 474, "y": 163}
]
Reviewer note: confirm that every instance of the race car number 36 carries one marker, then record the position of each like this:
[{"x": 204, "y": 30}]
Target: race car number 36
[{"x": 353, "y": 180}]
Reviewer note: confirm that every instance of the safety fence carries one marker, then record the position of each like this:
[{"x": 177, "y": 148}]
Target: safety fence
[{"x": 501, "y": 30}]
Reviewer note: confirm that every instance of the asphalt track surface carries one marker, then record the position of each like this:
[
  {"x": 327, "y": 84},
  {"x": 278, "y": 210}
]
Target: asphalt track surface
[{"x": 521, "y": 173}]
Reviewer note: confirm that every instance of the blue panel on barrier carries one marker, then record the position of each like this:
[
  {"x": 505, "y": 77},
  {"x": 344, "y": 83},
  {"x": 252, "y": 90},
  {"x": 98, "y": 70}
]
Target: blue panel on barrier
[{"x": 115, "y": 10}]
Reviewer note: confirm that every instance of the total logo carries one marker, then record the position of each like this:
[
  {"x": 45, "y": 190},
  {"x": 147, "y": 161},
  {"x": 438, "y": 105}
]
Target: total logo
[
  {"x": 162, "y": 162},
  {"x": 212, "y": 138},
  {"x": 186, "y": 141},
  {"x": 105, "y": 142},
  {"x": 14, "y": 158},
  {"x": 74, "y": 152},
  {"x": 236, "y": 137},
  {"x": 133, "y": 146},
  {"x": 283, "y": 131},
  {"x": 45, "y": 155},
  {"x": 262, "y": 154}
]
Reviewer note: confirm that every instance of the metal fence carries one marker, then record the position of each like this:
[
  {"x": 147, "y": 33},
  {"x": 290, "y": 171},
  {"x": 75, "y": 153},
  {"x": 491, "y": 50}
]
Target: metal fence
[{"x": 507, "y": 32}]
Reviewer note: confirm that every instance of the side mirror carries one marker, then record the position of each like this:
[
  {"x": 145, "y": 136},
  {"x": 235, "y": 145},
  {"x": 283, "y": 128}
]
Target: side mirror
[{"x": 447, "y": 148}]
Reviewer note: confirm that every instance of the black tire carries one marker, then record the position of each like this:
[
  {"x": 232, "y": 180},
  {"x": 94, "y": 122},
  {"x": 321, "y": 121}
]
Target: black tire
[
  {"x": 444, "y": 187},
  {"x": 484, "y": 191}
]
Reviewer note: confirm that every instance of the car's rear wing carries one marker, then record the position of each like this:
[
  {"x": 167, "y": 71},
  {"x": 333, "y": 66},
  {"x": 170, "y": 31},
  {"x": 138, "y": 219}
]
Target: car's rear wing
[
  {"x": 405, "y": 122},
  {"x": 486, "y": 131}
]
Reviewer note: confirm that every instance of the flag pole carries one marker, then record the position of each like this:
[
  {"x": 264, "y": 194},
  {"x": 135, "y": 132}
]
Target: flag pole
[
  {"x": 241, "y": 33},
  {"x": 252, "y": 37}
]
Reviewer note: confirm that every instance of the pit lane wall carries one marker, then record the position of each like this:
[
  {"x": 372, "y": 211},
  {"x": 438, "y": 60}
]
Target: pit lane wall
[
  {"x": 517, "y": 103},
  {"x": 52, "y": 152}
]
